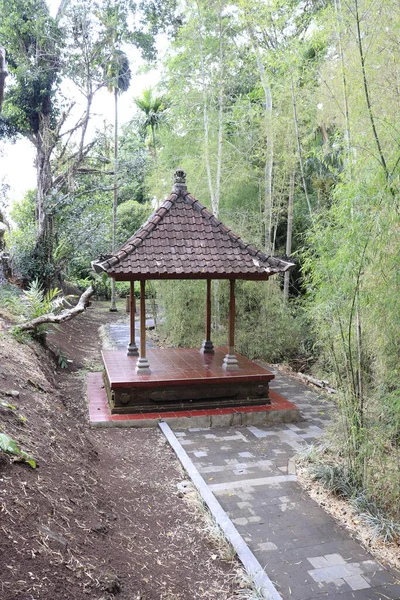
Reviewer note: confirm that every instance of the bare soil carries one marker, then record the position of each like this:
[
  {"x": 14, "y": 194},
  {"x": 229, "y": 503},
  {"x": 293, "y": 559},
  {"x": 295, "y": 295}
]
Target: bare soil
[{"x": 101, "y": 516}]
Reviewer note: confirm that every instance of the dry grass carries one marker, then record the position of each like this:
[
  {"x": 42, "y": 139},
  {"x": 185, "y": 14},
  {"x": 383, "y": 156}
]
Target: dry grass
[{"x": 206, "y": 524}]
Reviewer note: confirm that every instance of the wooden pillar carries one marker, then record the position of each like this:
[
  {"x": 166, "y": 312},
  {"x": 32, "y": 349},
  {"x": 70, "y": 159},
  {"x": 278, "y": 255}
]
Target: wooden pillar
[
  {"x": 132, "y": 348},
  {"x": 207, "y": 346},
  {"x": 142, "y": 365},
  {"x": 230, "y": 360}
]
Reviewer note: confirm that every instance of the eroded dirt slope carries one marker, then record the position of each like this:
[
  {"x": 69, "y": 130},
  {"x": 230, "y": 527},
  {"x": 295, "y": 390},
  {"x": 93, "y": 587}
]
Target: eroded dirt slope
[{"x": 100, "y": 517}]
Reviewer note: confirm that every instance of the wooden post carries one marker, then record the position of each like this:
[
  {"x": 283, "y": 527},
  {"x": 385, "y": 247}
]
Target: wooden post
[
  {"x": 142, "y": 365},
  {"x": 207, "y": 346},
  {"x": 230, "y": 360},
  {"x": 132, "y": 348}
]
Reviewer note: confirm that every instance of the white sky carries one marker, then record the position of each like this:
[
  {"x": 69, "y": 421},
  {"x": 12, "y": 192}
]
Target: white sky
[{"x": 17, "y": 160}]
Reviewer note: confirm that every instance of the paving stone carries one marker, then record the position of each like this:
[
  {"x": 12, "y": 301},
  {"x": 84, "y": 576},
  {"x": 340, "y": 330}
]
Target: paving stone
[
  {"x": 391, "y": 591},
  {"x": 186, "y": 442},
  {"x": 318, "y": 562},
  {"x": 335, "y": 559},
  {"x": 382, "y": 577},
  {"x": 266, "y": 547},
  {"x": 304, "y": 552},
  {"x": 244, "y": 505},
  {"x": 369, "y": 566},
  {"x": 357, "y": 582},
  {"x": 199, "y": 453},
  {"x": 330, "y": 573},
  {"x": 294, "y": 590}
]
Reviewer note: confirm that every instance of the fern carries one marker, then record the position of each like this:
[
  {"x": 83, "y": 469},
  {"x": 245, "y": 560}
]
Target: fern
[{"x": 40, "y": 303}]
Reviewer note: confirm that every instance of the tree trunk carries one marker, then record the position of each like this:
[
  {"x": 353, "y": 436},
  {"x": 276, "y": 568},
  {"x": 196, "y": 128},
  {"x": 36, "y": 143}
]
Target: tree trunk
[
  {"x": 65, "y": 315},
  {"x": 220, "y": 118},
  {"x": 205, "y": 107},
  {"x": 289, "y": 234},
  {"x": 113, "y": 307},
  {"x": 367, "y": 97},
  {"x": 339, "y": 25},
  {"x": 3, "y": 74},
  {"x": 296, "y": 124},
  {"x": 43, "y": 251},
  {"x": 44, "y": 180},
  {"x": 268, "y": 202}
]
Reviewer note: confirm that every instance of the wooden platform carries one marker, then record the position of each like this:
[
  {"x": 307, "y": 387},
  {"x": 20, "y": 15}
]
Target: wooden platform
[{"x": 182, "y": 378}]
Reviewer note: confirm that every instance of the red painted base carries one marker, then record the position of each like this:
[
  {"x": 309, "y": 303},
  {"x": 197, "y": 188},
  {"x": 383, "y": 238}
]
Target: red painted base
[{"x": 100, "y": 414}]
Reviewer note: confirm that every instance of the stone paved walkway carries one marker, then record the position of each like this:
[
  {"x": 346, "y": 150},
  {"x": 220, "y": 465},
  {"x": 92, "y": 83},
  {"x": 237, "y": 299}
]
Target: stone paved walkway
[
  {"x": 119, "y": 333},
  {"x": 250, "y": 471}
]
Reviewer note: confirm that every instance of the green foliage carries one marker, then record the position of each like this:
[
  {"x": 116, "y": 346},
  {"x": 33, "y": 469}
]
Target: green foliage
[
  {"x": 383, "y": 527},
  {"x": 118, "y": 73},
  {"x": 23, "y": 212},
  {"x": 62, "y": 359},
  {"x": 10, "y": 298},
  {"x": 40, "y": 302},
  {"x": 153, "y": 109},
  {"x": 183, "y": 307},
  {"x": 29, "y": 260},
  {"x": 354, "y": 306},
  {"x": 130, "y": 216},
  {"x": 266, "y": 327},
  {"x": 10, "y": 446},
  {"x": 338, "y": 481},
  {"x": 33, "y": 41}
]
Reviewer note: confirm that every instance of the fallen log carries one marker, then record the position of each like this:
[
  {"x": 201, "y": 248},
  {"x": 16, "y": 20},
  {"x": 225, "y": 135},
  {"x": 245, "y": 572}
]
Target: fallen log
[
  {"x": 321, "y": 383},
  {"x": 65, "y": 315}
]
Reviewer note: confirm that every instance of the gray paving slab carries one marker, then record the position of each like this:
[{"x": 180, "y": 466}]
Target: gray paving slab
[
  {"x": 119, "y": 332},
  {"x": 303, "y": 551}
]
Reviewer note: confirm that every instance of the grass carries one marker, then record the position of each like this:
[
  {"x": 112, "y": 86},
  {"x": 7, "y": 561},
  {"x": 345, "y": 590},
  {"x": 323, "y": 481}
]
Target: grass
[
  {"x": 339, "y": 482},
  {"x": 213, "y": 531},
  {"x": 381, "y": 525}
]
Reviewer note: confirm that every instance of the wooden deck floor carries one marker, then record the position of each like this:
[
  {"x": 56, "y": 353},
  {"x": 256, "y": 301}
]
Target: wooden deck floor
[
  {"x": 182, "y": 377},
  {"x": 180, "y": 366}
]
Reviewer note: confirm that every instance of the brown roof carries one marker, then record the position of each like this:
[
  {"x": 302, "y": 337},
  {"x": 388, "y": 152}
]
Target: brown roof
[{"x": 183, "y": 240}]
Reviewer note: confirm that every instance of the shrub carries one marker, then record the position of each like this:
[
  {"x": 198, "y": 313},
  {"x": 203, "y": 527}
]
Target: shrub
[
  {"x": 265, "y": 327},
  {"x": 183, "y": 304}
]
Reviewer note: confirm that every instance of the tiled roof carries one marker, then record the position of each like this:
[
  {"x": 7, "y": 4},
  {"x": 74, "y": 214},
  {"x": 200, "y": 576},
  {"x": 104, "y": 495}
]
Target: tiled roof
[{"x": 182, "y": 239}]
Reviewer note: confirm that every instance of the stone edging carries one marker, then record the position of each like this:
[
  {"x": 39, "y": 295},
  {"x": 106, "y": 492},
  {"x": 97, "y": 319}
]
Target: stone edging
[{"x": 258, "y": 576}]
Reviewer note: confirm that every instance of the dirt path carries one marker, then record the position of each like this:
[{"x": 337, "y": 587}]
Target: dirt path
[{"x": 101, "y": 516}]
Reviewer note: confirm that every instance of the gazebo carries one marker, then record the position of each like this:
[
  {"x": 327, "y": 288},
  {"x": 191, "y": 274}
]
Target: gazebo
[{"x": 183, "y": 240}]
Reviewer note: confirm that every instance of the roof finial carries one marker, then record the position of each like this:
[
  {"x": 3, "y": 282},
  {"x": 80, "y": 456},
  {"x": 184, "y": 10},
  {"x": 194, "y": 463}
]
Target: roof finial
[{"x": 180, "y": 179}]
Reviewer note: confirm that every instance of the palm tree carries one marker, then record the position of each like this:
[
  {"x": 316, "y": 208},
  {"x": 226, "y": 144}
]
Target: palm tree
[
  {"x": 118, "y": 77},
  {"x": 153, "y": 108}
]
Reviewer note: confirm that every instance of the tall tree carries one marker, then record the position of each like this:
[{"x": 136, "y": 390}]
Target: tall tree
[
  {"x": 117, "y": 76},
  {"x": 153, "y": 109},
  {"x": 43, "y": 52},
  {"x": 35, "y": 108}
]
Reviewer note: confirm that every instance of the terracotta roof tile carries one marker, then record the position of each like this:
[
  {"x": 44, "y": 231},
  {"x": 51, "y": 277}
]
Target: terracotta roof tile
[{"x": 183, "y": 238}]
